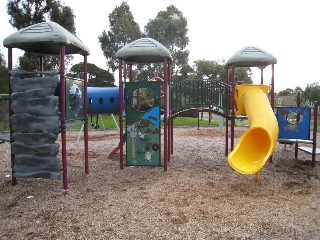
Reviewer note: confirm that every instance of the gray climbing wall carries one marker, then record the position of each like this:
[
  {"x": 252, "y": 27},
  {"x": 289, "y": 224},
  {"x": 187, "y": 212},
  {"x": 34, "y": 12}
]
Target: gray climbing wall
[{"x": 35, "y": 125}]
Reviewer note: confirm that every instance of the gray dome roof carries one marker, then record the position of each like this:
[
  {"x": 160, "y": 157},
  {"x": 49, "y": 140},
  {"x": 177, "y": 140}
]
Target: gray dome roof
[
  {"x": 45, "y": 39},
  {"x": 144, "y": 50},
  {"x": 250, "y": 56}
]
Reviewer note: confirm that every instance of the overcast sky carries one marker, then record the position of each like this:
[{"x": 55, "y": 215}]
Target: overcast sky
[{"x": 289, "y": 30}]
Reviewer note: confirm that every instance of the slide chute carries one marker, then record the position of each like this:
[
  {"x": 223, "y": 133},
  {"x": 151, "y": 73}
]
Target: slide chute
[{"x": 257, "y": 144}]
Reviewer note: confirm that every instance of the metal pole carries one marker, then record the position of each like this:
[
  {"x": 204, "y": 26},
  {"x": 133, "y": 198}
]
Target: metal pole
[
  {"x": 14, "y": 179},
  {"x": 63, "y": 116},
  {"x": 261, "y": 74},
  {"x": 315, "y": 126},
  {"x": 272, "y": 96},
  {"x": 198, "y": 122},
  {"x": 85, "y": 95},
  {"x": 121, "y": 113},
  {"x": 170, "y": 106},
  {"x": 272, "y": 87},
  {"x": 298, "y": 119},
  {"x": 227, "y": 118},
  {"x": 170, "y": 121},
  {"x": 165, "y": 117},
  {"x": 232, "y": 104},
  {"x": 41, "y": 64}
]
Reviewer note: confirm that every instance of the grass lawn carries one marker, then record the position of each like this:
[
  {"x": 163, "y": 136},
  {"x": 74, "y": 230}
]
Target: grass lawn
[{"x": 108, "y": 122}]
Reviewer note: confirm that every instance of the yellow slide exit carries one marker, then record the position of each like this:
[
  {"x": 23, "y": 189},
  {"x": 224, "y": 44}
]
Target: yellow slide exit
[{"x": 257, "y": 144}]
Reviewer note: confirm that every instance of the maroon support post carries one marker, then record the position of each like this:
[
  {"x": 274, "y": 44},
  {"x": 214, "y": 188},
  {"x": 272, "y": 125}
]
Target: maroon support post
[
  {"x": 315, "y": 126},
  {"x": 169, "y": 104},
  {"x": 63, "y": 116},
  {"x": 85, "y": 95},
  {"x": 121, "y": 113},
  {"x": 14, "y": 179},
  {"x": 298, "y": 119},
  {"x": 232, "y": 104},
  {"x": 165, "y": 85},
  {"x": 227, "y": 118},
  {"x": 272, "y": 96},
  {"x": 130, "y": 73},
  {"x": 261, "y": 73},
  {"x": 272, "y": 86}
]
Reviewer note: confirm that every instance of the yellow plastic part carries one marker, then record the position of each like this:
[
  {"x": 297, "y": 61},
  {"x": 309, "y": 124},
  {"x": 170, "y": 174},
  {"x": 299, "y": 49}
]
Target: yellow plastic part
[
  {"x": 257, "y": 144},
  {"x": 257, "y": 174}
]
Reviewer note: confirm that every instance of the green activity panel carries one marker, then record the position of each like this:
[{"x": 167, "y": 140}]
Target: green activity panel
[{"x": 143, "y": 128}]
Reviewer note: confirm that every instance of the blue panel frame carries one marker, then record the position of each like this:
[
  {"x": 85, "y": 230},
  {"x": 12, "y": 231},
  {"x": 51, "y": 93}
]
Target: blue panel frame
[{"x": 299, "y": 129}]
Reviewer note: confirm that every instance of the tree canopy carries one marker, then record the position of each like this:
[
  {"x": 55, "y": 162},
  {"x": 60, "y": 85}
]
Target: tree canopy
[
  {"x": 311, "y": 94},
  {"x": 97, "y": 77},
  {"x": 170, "y": 29},
  {"x": 286, "y": 92},
  {"x": 24, "y": 13},
  {"x": 215, "y": 70},
  {"x": 3, "y": 75},
  {"x": 2, "y": 60},
  {"x": 123, "y": 30}
]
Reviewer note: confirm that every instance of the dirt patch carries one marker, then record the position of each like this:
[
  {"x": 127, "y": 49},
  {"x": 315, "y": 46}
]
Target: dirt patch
[{"x": 199, "y": 197}]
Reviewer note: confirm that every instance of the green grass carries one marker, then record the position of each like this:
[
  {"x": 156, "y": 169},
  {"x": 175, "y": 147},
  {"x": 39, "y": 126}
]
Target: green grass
[
  {"x": 177, "y": 122},
  {"x": 4, "y": 127},
  {"x": 107, "y": 122},
  {"x": 193, "y": 122}
]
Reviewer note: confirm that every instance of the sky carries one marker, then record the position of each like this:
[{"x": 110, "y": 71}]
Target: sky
[{"x": 289, "y": 30}]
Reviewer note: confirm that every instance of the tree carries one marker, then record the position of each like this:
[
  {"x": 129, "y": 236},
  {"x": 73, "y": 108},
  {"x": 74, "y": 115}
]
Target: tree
[
  {"x": 97, "y": 77},
  {"x": 298, "y": 89},
  {"x": 63, "y": 15},
  {"x": 286, "y": 92},
  {"x": 243, "y": 75},
  {"x": 3, "y": 76},
  {"x": 206, "y": 69},
  {"x": 311, "y": 94},
  {"x": 24, "y": 13},
  {"x": 215, "y": 70},
  {"x": 123, "y": 30},
  {"x": 170, "y": 29},
  {"x": 4, "y": 112}
]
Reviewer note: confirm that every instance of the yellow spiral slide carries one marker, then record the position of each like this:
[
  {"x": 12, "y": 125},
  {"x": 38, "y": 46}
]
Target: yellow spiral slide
[{"x": 257, "y": 144}]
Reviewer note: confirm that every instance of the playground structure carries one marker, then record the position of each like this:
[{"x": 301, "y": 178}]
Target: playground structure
[
  {"x": 49, "y": 38},
  {"x": 222, "y": 98},
  {"x": 141, "y": 135}
]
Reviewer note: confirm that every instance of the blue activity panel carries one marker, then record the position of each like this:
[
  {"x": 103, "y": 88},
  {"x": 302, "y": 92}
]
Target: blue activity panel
[{"x": 294, "y": 122}]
